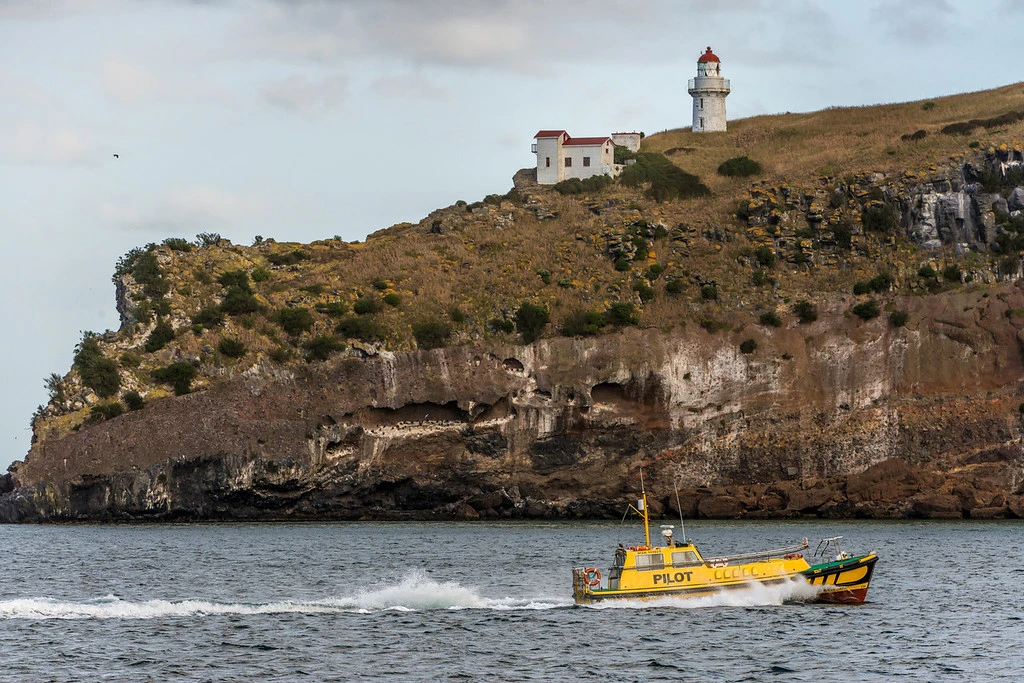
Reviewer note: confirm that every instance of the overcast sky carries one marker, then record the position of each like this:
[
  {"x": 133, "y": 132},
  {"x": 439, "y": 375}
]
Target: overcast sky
[{"x": 305, "y": 119}]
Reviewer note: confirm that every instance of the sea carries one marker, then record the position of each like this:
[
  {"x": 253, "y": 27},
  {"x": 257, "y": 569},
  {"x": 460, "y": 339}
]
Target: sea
[{"x": 487, "y": 601}]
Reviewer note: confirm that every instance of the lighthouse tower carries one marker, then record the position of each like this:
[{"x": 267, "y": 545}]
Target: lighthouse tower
[{"x": 709, "y": 91}]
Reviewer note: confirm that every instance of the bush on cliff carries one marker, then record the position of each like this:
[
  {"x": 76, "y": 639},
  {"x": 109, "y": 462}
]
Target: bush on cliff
[
  {"x": 231, "y": 347},
  {"x": 238, "y": 301},
  {"x": 368, "y": 305},
  {"x": 104, "y": 411},
  {"x": 530, "y": 320},
  {"x": 739, "y": 167},
  {"x": 322, "y": 347},
  {"x": 582, "y": 323},
  {"x": 879, "y": 218},
  {"x": 583, "y": 186},
  {"x": 295, "y": 321},
  {"x": 867, "y": 310},
  {"x": 360, "y": 327},
  {"x": 161, "y": 335},
  {"x": 621, "y": 314},
  {"x": 431, "y": 334},
  {"x": 806, "y": 311},
  {"x": 97, "y": 371},
  {"x": 178, "y": 375},
  {"x": 133, "y": 400},
  {"x": 208, "y": 317}
]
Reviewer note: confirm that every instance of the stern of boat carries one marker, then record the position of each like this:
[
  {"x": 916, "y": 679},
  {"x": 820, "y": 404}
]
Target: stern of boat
[{"x": 580, "y": 589}]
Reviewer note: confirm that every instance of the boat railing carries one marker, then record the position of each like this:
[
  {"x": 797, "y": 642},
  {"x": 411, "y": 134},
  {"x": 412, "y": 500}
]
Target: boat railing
[{"x": 762, "y": 555}]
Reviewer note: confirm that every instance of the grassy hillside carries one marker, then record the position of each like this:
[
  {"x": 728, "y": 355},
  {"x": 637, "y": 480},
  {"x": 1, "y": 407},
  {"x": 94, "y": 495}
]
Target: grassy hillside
[{"x": 489, "y": 271}]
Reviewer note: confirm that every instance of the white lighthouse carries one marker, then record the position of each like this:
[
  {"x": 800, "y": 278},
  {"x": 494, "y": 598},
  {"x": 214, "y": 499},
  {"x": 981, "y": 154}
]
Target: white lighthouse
[{"x": 709, "y": 91}]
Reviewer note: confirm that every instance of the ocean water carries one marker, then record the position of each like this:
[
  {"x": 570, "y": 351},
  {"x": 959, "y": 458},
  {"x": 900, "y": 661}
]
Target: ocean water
[{"x": 490, "y": 601}]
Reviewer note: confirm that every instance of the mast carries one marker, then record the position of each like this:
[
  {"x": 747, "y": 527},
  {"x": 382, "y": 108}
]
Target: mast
[{"x": 643, "y": 511}]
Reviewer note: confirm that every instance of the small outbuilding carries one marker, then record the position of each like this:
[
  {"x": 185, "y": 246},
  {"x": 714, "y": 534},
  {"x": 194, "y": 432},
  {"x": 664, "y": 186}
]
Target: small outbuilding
[{"x": 560, "y": 156}]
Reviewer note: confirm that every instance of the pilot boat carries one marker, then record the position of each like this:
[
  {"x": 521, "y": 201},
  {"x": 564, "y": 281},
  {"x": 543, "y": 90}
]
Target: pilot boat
[{"x": 678, "y": 569}]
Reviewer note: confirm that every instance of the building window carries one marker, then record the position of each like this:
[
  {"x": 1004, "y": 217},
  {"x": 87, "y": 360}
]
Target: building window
[
  {"x": 586, "y": 161},
  {"x": 568, "y": 162},
  {"x": 547, "y": 162},
  {"x": 702, "y": 103},
  {"x": 702, "y": 123}
]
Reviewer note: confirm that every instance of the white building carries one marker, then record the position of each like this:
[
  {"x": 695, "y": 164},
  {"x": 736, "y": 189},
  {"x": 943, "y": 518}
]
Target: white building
[
  {"x": 630, "y": 141},
  {"x": 560, "y": 157},
  {"x": 709, "y": 91}
]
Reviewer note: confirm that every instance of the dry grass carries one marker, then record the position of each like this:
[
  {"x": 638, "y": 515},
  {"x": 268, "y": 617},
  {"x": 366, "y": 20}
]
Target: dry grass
[{"x": 486, "y": 262}]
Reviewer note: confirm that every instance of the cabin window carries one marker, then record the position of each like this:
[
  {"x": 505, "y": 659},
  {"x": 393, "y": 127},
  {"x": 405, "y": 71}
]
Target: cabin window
[
  {"x": 547, "y": 162},
  {"x": 649, "y": 562},
  {"x": 685, "y": 558},
  {"x": 568, "y": 162},
  {"x": 586, "y": 161}
]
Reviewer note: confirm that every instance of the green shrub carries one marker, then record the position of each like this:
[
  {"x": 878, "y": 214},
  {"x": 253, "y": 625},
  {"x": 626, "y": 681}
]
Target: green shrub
[
  {"x": 771, "y": 319},
  {"x": 860, "y": 288},
  {"x": 899, "y": 318},
  {"x": 380, "y": 284},
  {"x": 178, "y": 244},
  {"x": 289, "y": 259},
  {"x": 806, "y": 311},
  {"x": 202, "y": 276},
  {"x": 879, "y": 218},
  {"x": 748, "y": 346},
  {"x": 664, "y": 179},
  {"x": 565, "y": 282},
  {"x": 928, "y": 106},
  {"x": 709, "y": 292},
  {"x": 582, "y": 323},
  {"x": 589, "y": 185},
  {"x": 130, "y": 360},
  {"x": 951, "y": 273},
  {"x": 623, "y": 264},
  {"x": 431, "y": 334},
  {"x": 295, "y": 321},
  {"x": 530, "y": 320},
  {"x": 104, "y": 411},
  {"x": 209, "y": 239},
  {"x": 315, "y": 289},
  {"x": 161, "y": 335},
  {"x": 367, "y": 305},
  {"x": 393, "y": 300},
  {"x": 926, "y": 271},
  {"x": 545, "y": 276},
  {"x": 867, "y": 310},
  {"x": 235, "y": 278},
  {"x": 623, "y": 154},
  {"x": 334, "y": 309},
  {"x": 843, "y": 235},
  {"x": 621, "y": 314},
  {"x": 882, "y": 282},
  {"x": 457, "y": 315},
  {"x": 654, "y": 271},
  {"x": 761, "y": 278},
  {"x": 675, "y": 286},
  {"x": 501, "y": 325},
  {"x": 260, "y": 275},
  {"x": 711, "y": 325},
  {"x": 739, "y": 167},
  {"x": 643, "y": 290},
  {"x": 96, "y": 370},
  {"x": 133, "y": 400},
  {"x": 360, "y": 327},
  {"x": 322, "y": 347},
  {"x": 178, "y": 375},
  {"x": 765, "y": 256},
  {"x": 232, "y": 348},
  {"x": 208, "y": 317},
  {"x": 239, "y": 301}
]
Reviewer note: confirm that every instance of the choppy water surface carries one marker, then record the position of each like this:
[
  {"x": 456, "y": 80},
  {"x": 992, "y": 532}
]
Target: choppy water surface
[{"x": 489, "y": 602}]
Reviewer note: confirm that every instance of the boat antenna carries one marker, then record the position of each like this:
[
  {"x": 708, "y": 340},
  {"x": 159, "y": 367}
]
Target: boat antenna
[
  {"x": 682, "y": 527},
  {"x": 641, "y": 509}
]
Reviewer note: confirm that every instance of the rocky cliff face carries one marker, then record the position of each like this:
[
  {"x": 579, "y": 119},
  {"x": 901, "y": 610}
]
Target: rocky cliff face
[{"x": 836, "y": 417}]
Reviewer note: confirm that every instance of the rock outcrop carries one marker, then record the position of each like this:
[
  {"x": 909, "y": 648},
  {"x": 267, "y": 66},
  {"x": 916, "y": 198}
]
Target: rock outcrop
[{"x": 835, "y": 418}]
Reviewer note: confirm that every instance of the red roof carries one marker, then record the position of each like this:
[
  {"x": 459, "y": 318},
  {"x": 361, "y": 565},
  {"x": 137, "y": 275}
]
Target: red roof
[
  {"x": 587, "y": 141},
  {"x": 708, "y": 56},
  {"x": 549, "y": 133}
]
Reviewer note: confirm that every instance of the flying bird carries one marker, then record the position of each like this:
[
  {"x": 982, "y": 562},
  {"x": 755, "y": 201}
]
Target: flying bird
[{"x": 116, "y": 157}]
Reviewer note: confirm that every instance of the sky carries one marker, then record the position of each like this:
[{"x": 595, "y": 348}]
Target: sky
[{"x": 309, "y": 119}]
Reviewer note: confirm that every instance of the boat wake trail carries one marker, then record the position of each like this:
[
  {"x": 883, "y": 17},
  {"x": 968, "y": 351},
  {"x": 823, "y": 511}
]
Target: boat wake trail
[
  {"x": 414, "y": 593},
  {"x": 753, "y": 595}
]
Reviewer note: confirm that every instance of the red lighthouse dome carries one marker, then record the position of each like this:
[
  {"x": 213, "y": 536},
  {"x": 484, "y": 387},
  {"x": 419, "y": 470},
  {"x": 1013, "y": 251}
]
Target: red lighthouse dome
[{"x": 708, "y": 56}]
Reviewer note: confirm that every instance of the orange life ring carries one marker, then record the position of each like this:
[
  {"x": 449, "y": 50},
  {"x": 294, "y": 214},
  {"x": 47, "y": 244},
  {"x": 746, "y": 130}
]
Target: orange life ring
[{"x": 592, "y": 575}]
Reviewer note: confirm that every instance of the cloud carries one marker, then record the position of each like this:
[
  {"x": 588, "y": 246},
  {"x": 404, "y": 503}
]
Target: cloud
[
  {"x": 407, "y": 85},
  {"x": 188, "y": 209},
  {"x": 127, "y": 83},
  {"x": 31, "y": 143},
  {"x": 921, "y": 22},
  {"x": 299, "y": 93}
]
